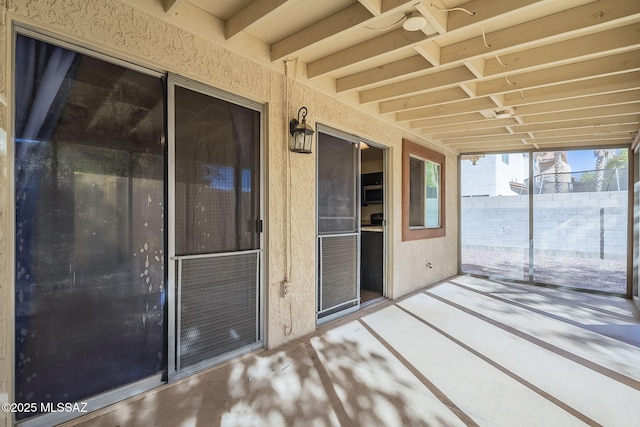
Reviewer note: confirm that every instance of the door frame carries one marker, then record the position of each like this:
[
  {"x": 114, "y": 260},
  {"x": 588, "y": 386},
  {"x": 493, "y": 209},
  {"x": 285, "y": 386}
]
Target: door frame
[{"x": 387, "y": 197}]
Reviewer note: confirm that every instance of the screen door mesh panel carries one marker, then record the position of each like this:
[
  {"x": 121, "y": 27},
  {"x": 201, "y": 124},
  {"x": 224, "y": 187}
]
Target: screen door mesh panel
[
  {"x": 218, "y": 311},
  {"x": 339, "y": 270}
]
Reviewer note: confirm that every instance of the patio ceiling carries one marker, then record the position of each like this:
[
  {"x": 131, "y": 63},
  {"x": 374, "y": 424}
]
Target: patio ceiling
[{"x": 481, "y": 75}]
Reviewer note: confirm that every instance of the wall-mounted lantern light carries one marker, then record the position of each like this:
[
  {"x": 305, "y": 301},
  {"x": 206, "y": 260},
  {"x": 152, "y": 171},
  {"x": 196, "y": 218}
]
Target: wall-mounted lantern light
[{"x": 301, "y": 133}]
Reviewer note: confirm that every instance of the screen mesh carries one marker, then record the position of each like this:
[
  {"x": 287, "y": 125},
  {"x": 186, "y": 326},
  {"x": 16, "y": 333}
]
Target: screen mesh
[
  {"x": 339, "y": 257},
  {"x": 218, "y": 309}
]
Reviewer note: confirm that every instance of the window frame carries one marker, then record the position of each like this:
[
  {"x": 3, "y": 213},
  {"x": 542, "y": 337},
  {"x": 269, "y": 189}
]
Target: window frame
[{"x": 409, "y": 150}]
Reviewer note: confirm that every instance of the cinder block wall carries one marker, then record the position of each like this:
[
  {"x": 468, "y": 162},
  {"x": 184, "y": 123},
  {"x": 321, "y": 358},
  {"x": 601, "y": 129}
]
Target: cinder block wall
[{"x": 587, "y": 225}]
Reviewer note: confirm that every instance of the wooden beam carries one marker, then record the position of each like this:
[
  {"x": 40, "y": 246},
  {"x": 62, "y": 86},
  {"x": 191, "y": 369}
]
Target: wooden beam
[
  {"x": 424, "y": 100},
  {"x": 490, "y": 138},
  {"x": 450, "y": 109},
  {"x": 597, "y": 85},
  {"x": 589, "y": 130},
  {"x": 373, "y": 6},
  {"x": 613, "y": 64},
  {"x": 373, "y": 48},
  {"x": 171, "y": 6},
  {"x": 579, "y": 123},
  {"x": 485, "y": 10},
  {"x": 402, "y": 68},
  {"x": 444, "y": 121},
  {"x": 578, "y": 18},
  {"x": 611, "y": 41},
  {"x": 434, "y": 13},
  {"x": 624, "y": 109},
  {"x": 463, "y": 125},
  {"x": 331, "y": 26},
  {"x": 439, "y": 80},
  {"x": 250, "y": 14},
  {"x": 578, "y": 103}
]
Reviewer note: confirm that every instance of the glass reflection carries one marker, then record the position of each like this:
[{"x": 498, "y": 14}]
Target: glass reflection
[{"x": 89, "y": 176}]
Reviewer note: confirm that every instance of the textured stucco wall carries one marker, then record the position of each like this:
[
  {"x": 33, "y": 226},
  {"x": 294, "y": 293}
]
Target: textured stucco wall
[{"x": 143, "y": 35}]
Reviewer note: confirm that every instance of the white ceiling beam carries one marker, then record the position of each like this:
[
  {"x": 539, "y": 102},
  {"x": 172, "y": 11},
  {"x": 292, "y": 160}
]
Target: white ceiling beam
[
  {"x": 626, "y": 119},
  {"x": 171, "y": 6},
  {"x": 445, "y": 121},
  {"x": 402, "y": 68},
  {"x": 250, "y": 14},
  {"x": 429, "y": 51},
  {"x": 440, "y": 80},
  {"x": 378, "y": 46},
  {"x": 594, "y": 86},
  {"x": 424, "y": 100},
  {"x": 464, "y": 126},
  {"x": 373, "y": 6},
  {"x": 590, "y": 130},
  {"x": 449, "y": 109},
  {"x": 485, "y": 10},
  {"x": 606, "y": 111},
  {"x": 617, "y": 39},
  {"x": 578, "y": 103},
  {"x": 613, "y": 64},
  {"x": 433, "y": 11},
  {"x": 337, "y": 23},
  {"x": 580, "y": 18},
  {"x": 489, "y": 138}
]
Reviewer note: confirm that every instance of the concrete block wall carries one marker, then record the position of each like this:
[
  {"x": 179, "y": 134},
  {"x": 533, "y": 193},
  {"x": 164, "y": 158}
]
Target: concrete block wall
[{"x": 586, "y": 225}]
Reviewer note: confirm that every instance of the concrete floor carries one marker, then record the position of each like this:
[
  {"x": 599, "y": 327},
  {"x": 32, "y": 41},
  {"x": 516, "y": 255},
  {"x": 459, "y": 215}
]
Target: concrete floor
[{"x": 467, "y": 351}]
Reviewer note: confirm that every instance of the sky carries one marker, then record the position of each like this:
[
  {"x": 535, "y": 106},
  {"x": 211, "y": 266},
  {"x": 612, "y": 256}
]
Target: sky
[{"x": 581, "y": 160}]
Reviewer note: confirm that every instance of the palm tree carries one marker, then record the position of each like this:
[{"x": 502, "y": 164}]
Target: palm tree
[
  {"x": 557, "y": 166},
  {"x": 601, "y": 160}
]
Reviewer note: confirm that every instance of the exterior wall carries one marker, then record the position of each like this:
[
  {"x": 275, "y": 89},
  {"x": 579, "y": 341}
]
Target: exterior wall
[
  {"x": 572, "y": 224},
  {"x": 140, "y": 31},
  {"x": 491, "y": 176}
]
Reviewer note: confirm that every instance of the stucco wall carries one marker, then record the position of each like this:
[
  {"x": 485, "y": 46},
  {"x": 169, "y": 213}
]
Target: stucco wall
[{"x": 145, "y": 35}]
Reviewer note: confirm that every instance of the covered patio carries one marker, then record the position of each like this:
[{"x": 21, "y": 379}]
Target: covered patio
[{"x": 465, "y": 351}]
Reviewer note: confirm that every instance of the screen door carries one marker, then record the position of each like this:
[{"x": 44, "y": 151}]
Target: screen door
[
  {"x": 338, "y": 224},
  {"x": 216, "y": 243}
]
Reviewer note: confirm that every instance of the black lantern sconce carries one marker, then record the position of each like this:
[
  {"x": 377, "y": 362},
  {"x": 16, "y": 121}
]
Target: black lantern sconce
[{"x": 301, "y": 133}]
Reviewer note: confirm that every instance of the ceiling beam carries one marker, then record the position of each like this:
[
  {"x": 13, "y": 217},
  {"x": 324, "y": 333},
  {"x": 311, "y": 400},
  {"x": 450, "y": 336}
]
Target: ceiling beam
[
  {"x": 337, "y": 23},
  {"x": 402, "y": 68},
  {"x": 579, "y": 103},
  {"x": 579, "y": 123},
  {"x": 424, "y": 100},
  {"x": 424, "y": 83},
  {"x": 171, "y": 6},
  {"x": 378, "y": 46},
  {"x": 453, "y": 108},
  {"x": 619, "y": 63},
  {"x": 594, "y": 86},
  {"x": 464, "y": 125},
  {"x": 623, "y": 38},
  {"x": 483, "y": 11},
  {"x": 250, "y": 14},
  {"x": 624, "y": 109},
  {"x": 373, "y": 6},
  {"x": 589, "y": 130},
  {"x": 444, "y": 121},
  {"x": 579, "y": 18}
]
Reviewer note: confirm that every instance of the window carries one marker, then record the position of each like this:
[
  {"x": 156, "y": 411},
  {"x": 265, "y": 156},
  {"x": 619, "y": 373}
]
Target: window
[
  {"x": 505, "y": 159},
  {"x": 422, "y": 192}
]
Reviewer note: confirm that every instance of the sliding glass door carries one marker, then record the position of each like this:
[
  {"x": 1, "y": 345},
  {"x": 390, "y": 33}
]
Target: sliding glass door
[
  {"x": 568, "y": 227},
  {"x": 89, "y": 245},
  {"x": 580, "y": 211}
]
